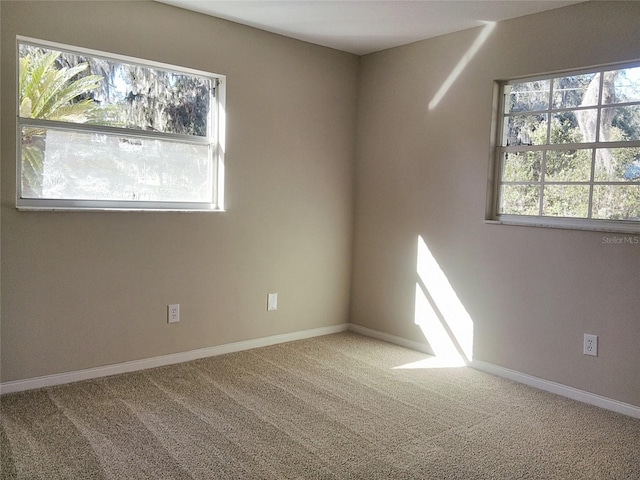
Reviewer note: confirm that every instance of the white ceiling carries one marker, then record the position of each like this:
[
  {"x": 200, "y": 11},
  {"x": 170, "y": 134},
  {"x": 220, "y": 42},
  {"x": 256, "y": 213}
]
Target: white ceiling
[{"x": 364, "y": 26}]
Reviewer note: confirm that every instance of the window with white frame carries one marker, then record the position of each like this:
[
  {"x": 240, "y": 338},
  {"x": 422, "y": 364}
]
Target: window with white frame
[
  {"x": 568, "y": 150},
  {"x": 103, "y": 131}
]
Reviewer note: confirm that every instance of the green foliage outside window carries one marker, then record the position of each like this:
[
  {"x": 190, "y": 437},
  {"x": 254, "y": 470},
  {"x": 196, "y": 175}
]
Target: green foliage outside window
[
  {"x": 147, "y": 132},
  {"x": 553, "y": 165},
  {"x": 50, "y": 92}
]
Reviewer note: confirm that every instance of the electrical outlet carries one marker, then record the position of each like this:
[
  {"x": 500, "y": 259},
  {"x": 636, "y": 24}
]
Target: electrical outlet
[
  {"x": 590, "y": 345},
  {"x": 173, "y": 313}
]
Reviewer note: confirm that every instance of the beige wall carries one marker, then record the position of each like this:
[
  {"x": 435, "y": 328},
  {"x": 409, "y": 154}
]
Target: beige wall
[
  {"x": 531, "y": 292},
  {"x": 88, "y": 289},
  {"x": 81, "y": 290}
]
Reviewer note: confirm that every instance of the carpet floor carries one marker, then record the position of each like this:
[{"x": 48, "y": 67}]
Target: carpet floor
[{"x": 332, "y": 407}]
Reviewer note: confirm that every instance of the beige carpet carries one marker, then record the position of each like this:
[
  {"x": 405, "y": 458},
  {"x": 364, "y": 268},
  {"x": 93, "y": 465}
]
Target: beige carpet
[{"x": 331, "y": 407}]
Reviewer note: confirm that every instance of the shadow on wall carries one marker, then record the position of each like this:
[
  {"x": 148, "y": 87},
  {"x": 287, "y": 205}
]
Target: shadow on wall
[{"x": 440, "y": 314}]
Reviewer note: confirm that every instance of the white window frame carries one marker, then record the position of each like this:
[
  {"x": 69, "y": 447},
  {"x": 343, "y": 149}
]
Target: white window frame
[
  {"x": 493, "y": 216},
  {"x": 215, "y": 140}
]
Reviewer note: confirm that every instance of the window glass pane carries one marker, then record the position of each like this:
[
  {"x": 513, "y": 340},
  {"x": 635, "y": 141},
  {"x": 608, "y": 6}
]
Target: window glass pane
[
  {"x": 520, "y": 199},
  {"x": 626, "y": 84},
  {"x": 620, "y": 123},
  {"x": 521, "y": 166},
  {"x": 553, "y": 160},
  {"x": 566, "y": 201},
  {"x": 525, "y": 130},
  {"x": 32, "y": 161},
  {"x": 617, "y": 165},
  {"x": 75, "y": 165},
  {"x": 616, "y": 202},
  {"x": 576, "y": 90},
  {"x": 574, "y": 126},
  {"x": 568, "y": 166},
  {"x": 56, "y": 85},
  {"x": 527, "y": 97}
]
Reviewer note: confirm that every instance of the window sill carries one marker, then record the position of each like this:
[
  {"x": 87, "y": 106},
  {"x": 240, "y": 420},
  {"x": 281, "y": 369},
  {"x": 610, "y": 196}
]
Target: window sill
[
  {"x": 117, "y": 209},
  {"x": 571, "y": 224},
  {"x": 88, "y": 206}
]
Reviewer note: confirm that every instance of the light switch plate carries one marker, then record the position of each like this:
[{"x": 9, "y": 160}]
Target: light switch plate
[{"x": 272, "y": 301}]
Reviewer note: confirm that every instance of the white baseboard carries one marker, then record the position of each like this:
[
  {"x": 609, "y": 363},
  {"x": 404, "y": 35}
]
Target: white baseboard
[
  {"x": 546, "y": 385},
  {"x": 387, "y": 337},
  {"x": 559, "y": 389},
  {"x": 90, "y": 373}
]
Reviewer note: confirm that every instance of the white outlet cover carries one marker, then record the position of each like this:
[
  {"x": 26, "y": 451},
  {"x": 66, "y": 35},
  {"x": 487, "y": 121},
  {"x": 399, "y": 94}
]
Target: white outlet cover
[
  {"x": 173, "y": 313},
  {"x": 590, "y": 345}
]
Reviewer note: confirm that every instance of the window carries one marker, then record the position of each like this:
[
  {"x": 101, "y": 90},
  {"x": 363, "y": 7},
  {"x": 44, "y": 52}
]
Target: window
[
  {"x": 568, "y": 150},
  {"x": 101, "y": 131}
]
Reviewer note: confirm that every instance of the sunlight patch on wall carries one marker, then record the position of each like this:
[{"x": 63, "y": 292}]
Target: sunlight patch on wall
[
  {"x": 440, "y": 314},
  {"x": 464, "y": 61},
  {"x": 446, "y": 300},
  {"x": 444, "y": 349}
]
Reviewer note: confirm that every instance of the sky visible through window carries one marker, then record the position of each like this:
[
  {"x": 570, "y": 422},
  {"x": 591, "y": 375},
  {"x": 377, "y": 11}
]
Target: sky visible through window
[
  {"x": 95, "y": 128},
  {"x": 570, "y": 146}
]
